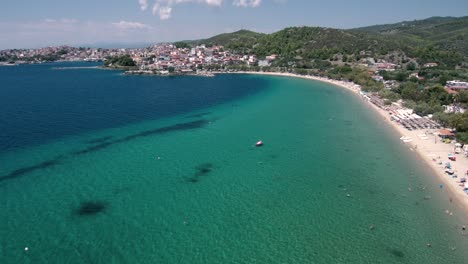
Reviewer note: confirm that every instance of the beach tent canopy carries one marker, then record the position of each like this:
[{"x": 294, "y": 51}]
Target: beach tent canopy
[{"x": 445, "y": 133}]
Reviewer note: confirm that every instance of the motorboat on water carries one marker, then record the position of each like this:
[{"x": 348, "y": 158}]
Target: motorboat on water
[{"x": 259, "y": 143}]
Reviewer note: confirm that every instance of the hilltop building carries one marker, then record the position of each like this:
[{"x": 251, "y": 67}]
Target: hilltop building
[{"x": 456, "y": 85}]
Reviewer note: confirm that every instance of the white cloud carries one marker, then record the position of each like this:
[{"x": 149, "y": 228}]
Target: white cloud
[
  {"x": 214, "y": 2},
  {"x": 125, "y": 25},
  {"x": 143, "y": 4},
  {"x": 207, "y": 2},
  {"x": 247, "y": 3},
  {"x": 164, "y": 12},
  {"x": 163, "y": 8}
]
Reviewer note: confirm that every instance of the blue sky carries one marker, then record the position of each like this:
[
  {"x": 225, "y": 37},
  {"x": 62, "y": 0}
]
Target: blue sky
[{"x": 34, "y": 23}]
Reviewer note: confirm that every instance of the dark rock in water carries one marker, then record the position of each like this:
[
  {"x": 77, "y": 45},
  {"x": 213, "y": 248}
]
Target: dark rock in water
[
  {"x": 192, "y": 180},
  {"x": 204, "y": 169},
  {"x": 152, "y": 132},
  {"x": 397, "y": 253},
  {"x": 200, "y": 170},
  {"x": 93, "y": 148},
  {"x": 28, "y": 169},
  {"x": 91, "y": 208}
]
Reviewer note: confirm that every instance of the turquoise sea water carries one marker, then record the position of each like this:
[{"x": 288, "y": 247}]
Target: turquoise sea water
[{"x": 187, "y": 185}]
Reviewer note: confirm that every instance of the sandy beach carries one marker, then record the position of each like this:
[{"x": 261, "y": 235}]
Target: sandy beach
[{"x": 429, "y": 148}]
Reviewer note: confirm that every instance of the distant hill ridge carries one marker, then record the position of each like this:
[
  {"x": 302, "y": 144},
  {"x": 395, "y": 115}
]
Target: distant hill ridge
[
  {"x": 442, "y": 32},
  {"x": 443, "y": 39},
  {"x": 226, "y": 38},
  {"x": 429, "y": 23}
]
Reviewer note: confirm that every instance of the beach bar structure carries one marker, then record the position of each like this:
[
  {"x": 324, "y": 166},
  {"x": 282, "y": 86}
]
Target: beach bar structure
[{"x": 445, "y": 133}]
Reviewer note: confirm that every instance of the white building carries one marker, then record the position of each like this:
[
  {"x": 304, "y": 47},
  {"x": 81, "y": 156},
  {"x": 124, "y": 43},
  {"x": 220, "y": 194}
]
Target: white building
[{"x": 457, "y": 85}]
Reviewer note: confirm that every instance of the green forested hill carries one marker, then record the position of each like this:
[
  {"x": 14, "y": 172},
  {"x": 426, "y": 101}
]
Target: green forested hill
[
  {"x": 322, "y": 43},
  {"x": 437, "y": 39},
  {"x": 241, "y": 41},
  {"x": 414, "y": 27},
  {"x": 238, "y": 36},
  {"x": 441, "y": 32}
]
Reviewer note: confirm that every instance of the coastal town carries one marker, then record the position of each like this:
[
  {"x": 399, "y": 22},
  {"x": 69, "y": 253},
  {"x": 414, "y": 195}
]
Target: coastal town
[
  {"x": 156, "y": 59},
  {"x": 52, "y": 54}
]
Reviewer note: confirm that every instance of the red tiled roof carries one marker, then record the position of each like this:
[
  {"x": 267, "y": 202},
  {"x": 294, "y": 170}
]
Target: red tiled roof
[
  {"x": 450, "y": 91},
  {"x": 445, "y": 132}
]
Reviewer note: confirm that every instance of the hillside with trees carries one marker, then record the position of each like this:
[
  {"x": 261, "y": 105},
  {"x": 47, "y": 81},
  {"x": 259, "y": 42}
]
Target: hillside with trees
[
  {"x": 323, "y": 43},
  {"x": 442, "y": 32},
  {"x": 439, "y": 39},
  {"x": 241, "y": 41},
  {"x": 123, "y": 61},
  {"x": 436, "y": 33}
]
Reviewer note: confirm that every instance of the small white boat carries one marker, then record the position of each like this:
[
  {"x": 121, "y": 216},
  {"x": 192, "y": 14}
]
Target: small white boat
[{"x": 259, "y": 143}]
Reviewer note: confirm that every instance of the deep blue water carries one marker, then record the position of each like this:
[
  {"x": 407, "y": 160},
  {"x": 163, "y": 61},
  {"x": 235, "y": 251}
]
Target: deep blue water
[{"x": 40, "y": 103}]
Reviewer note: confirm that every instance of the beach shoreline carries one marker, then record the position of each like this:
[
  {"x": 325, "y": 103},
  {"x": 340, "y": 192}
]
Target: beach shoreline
[{"x": 427, "y": 149}]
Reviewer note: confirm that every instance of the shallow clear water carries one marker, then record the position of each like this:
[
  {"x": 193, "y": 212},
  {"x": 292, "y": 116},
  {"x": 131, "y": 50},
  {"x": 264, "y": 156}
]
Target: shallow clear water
[{"x": 187, "y": 186}]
